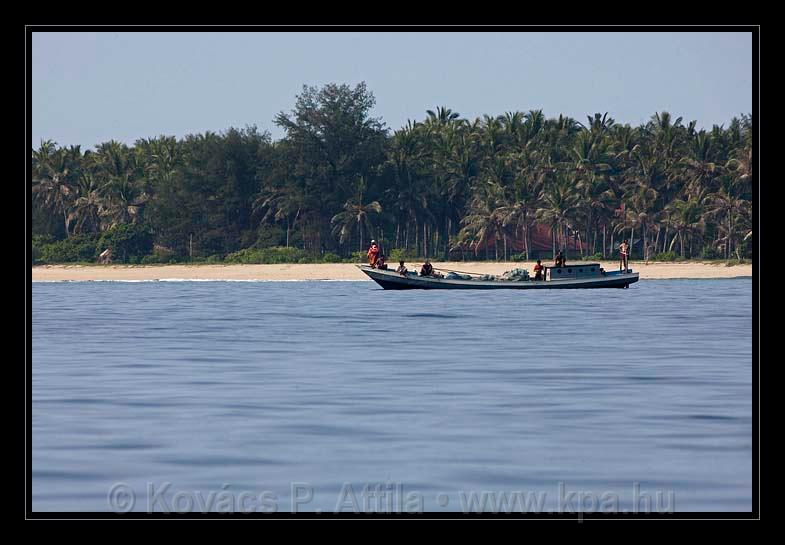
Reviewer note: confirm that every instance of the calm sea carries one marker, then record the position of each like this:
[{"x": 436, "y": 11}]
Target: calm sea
[{"x": 324, "y": 396}]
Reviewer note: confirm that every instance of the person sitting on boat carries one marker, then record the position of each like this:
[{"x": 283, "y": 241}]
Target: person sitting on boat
[
  {"x": 380, "y": 262},
  {"x": 401, "y": 269},
  {"x": 538, "y": 270},
  {"x": 624, "y": 252},
  {"x": 373, "y": 254},
  {"x": 427, "y": 268},
  {"x": 559, "y": 259}
]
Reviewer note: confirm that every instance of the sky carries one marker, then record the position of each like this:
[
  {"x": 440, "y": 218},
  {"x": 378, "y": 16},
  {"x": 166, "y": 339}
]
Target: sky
[{"x": 89, "y": 88}]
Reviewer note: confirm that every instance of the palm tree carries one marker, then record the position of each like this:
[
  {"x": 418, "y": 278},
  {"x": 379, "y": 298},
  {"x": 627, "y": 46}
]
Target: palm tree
[
  {"x": 442, "y": 116},
  {"x": 405, "y": 159},
  {"x": 599, "y": 124},
  {"x": 559, "y": 203},
  {"x": 457, "y": 165},
  {"x": 125, "y": 201},
  {"x": 698, "y": 164},
  {"x": 484, "y": 221},
  {"x": 53, "y": 181},
  {"x": 520, "y": 207},
  {"x": 513, "y": 124},
  {"x": 593, "y": 165},
  {"x": 595, "y": 204},
  {"x": 740, "y": 167},
  {"x": 280, "y": 204},
  {"x": 534, "y": 123},
  {"x": 640, "y": 207},
  {"x": 355, "y": 214},
  {"x": 665, "y": 134},
  {"x": 160, "y": 158},
  {"x": 123, "y": 195},
  {"x": 492, "y": 134},
  {"x": 687, "y": 218},
  {"x": 89, "y": 205},
  {"x": 727, "y": 207}
]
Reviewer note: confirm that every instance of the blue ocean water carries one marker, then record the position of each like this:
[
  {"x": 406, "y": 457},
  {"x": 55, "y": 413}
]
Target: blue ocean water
[{"x": 325, "y": 396}]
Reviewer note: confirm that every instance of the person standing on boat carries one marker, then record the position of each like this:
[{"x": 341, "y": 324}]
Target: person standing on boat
[
  {"x": 373, "y": 254},
  {"x": 624, "y": 252},
  {"x": 560, "y": 259}
]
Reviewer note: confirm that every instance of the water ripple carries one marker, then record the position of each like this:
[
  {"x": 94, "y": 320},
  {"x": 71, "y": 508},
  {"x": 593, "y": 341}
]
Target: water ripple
[{"x": 261, "y": 384}]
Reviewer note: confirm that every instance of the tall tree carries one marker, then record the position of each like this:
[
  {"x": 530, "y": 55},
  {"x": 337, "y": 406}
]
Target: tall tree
[
  {"x": 356, "y": 215},
  {"x": 334, "y": 139}
]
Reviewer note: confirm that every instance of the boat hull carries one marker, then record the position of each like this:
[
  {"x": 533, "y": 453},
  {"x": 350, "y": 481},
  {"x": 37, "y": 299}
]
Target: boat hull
[{"x": 391, "y": 280}]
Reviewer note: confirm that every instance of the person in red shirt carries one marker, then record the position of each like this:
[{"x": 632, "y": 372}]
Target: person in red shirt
[
  {"x": 539, "y": 270},
  {"x": 373, "y": 254}
]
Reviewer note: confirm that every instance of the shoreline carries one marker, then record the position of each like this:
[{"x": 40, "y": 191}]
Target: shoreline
[{"x": 348, "y": 271}]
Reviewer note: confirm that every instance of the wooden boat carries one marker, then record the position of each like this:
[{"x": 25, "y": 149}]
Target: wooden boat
[{"x": 571, "y": 276}]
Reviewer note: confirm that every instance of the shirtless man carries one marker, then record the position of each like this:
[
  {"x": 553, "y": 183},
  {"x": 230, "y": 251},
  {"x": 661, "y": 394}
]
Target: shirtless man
[{"x": 624, "y": 252}]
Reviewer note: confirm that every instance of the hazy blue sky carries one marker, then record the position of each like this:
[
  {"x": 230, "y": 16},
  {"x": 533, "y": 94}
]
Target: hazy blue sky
[{"x": 92, "y": 87}]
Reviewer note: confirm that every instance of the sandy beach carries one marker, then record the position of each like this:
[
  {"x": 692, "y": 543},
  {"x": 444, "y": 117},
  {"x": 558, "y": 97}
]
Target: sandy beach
[{"x": 344, "y": 271}]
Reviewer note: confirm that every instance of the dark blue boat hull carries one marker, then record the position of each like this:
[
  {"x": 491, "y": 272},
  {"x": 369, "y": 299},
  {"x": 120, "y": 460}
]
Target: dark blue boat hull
[{"x": 393, "y": 281}]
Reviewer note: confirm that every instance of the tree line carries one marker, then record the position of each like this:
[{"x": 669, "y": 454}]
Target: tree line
[{"x": 441, "y": 187}]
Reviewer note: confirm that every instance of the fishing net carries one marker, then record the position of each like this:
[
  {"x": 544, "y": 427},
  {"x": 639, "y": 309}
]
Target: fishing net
[{"x": 516, "y": 275}]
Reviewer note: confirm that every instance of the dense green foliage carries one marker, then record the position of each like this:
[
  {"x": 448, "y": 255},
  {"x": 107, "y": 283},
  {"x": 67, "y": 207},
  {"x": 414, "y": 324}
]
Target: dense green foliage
[
  {"x": 280, "y": 255},
  {"x": 129, "y": 243},
  {"x": 445, "y": 186},
  {"x": 79, "y": 247}
]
